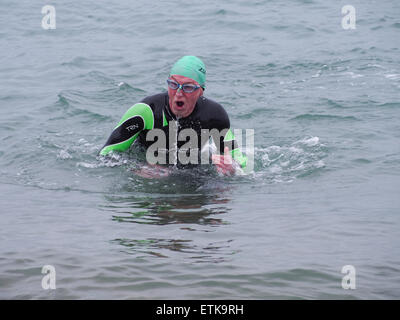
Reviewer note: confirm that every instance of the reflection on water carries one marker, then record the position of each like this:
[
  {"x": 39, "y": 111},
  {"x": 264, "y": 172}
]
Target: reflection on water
[
  {"x": 186, "y": 197},
  {"x": 168, "y": 210},
  {"x": 195, "y": 208},
  {"x": 164, "y": 248}
]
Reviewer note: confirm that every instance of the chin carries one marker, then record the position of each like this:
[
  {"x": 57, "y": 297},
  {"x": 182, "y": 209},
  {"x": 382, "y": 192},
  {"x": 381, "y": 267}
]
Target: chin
[{"x": 181, "y": 114}]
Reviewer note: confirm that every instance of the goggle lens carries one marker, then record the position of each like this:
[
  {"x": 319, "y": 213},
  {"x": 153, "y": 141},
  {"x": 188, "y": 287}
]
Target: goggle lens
[{"x": 187, "y": 87}]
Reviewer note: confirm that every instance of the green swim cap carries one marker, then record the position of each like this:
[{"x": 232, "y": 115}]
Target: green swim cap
[{"x": 191, "y": 67}]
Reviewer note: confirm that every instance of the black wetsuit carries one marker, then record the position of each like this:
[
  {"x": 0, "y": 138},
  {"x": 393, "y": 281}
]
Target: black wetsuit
[{"x": 207, "y": 115}]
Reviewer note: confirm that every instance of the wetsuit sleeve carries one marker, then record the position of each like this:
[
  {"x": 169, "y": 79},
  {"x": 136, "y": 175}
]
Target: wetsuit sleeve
[
  {"x": 228, "y": 139},
  {"x": 137, "y": 118},
  {"x": 235, "y": 151}
]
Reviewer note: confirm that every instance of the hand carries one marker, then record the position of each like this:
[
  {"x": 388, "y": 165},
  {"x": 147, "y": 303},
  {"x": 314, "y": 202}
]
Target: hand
[
  {"x": 153, "y": 171},
  {"x": 224, "y": 163}
]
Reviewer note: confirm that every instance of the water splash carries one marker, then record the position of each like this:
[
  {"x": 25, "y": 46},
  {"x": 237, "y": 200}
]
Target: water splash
[{"x": 289, "y": 162}]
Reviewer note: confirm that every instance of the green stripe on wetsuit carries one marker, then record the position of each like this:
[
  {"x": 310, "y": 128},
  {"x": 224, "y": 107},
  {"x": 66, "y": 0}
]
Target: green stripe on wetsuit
[
  {"x": 141, "y": 116},
  {"x": 236, "y": 154}
]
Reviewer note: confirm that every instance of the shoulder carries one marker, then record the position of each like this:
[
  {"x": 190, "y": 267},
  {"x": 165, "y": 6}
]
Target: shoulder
[
  {"x": 157, "y": 104},
  {"x": 213, "y": 112},
  {"x": 156, "y": 99}
]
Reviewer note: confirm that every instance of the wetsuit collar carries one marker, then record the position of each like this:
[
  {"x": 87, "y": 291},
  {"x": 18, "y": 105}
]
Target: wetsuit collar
[{"x": 167, "y": 108}]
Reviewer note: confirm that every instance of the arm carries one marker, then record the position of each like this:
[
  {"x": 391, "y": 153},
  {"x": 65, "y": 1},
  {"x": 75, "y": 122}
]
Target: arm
[
  {"x": 231, "y": 158},
  {"x": 228, "y": 147},
  {"x": 235, "y": 151},
  {"x": 138, "y": 117}
]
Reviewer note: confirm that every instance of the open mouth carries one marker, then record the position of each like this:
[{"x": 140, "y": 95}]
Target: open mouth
[{"x": 180, "y": 103}]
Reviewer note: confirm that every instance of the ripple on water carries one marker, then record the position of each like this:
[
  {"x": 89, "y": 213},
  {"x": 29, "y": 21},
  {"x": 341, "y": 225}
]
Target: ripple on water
[
  {"x": 302, "y": 158},
  {"x": 323, "y": 117},
  {"x": 187, "y": 249},
  {"x": 68, "y": 103}
]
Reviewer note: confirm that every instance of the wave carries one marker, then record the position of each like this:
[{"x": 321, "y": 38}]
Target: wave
[
  {"x": 289, "y": 162},
  {"x": 317, "y": 117}
]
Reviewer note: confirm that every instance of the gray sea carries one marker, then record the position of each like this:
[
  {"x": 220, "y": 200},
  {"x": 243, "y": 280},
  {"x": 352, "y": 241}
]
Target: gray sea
[{"x": 323, "y": 101}]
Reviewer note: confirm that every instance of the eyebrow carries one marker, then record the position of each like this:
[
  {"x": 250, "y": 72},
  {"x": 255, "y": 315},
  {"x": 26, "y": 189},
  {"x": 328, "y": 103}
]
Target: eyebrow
[{"x": 185, "y": 82}]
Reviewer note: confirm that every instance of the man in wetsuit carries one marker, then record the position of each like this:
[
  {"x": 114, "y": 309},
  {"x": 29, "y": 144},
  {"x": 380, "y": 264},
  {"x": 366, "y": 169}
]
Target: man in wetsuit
[{"x": 183, "y": 107}]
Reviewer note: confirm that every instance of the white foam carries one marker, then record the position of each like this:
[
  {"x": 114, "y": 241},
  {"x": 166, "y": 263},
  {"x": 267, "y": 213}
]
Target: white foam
[
  {"x": 394, "y": 76},
  {"x": 265, "y": 157},
  {"x": 285, "y": 163},
  {"x": 310, "y": 141},
  {"x": 374, "y": 65},
  {"x": 87, "y": 165},
  {"x": 317, "y": 74},
  {"x": 320, "y": 164},
  {"x": 353, "y": 75},
  {"x": 275, "y": 169},
  {"x": 273, "y": 149},
  {"x": 300, "y": 166},
  {"x": 64, "y": 155},
  {"x": 295, "y": 150}
]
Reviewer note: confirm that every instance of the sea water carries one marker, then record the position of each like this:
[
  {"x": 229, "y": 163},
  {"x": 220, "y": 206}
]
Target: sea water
[{"x": 321, "y": 93}]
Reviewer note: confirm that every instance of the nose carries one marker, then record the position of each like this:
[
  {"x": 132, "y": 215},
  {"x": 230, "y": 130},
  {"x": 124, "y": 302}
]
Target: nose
[{"x": 179, "y": 92}]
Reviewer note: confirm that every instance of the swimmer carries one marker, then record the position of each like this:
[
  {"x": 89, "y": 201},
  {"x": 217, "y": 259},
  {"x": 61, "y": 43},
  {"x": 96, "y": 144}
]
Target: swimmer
[{"x": 185, "y": 103}]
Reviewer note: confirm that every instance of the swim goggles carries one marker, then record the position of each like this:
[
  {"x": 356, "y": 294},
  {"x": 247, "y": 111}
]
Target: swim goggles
[{"x": 186, "y": 87}]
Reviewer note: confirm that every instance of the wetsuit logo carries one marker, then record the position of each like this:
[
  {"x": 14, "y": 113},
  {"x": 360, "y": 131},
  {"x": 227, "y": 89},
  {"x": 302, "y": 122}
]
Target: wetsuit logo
[{"x": 132, "y": 127}]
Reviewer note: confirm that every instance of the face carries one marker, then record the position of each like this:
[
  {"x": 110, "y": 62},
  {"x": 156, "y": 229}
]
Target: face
[{"x": 181, "y": 103}]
